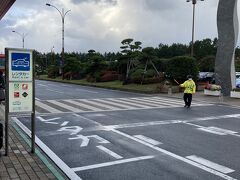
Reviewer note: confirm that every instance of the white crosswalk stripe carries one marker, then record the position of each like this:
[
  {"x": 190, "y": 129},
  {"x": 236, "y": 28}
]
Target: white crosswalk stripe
[
  {"x": 108, "y": 101},
  {"x": 46, "y": 107},
  {"x": 84, "y": 105},
  {"x": 100, "y": 104},
  {"x": 108, "y": 104},
  {"x": 65, "y": 106}
]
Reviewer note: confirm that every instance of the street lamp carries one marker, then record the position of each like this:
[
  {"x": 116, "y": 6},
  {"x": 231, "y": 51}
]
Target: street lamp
[
  {"x": 63, "y": 14},
  {"x": 194, "y": 2},
  {"x": 22, "y": 36}
]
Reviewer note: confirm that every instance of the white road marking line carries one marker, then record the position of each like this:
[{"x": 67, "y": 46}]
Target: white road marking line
[
  {"x": 148, "y": 140},
  {"x": 65, "y": 106},
  {"x": 168, "y": 103},
  {"x": 47, "y": 108},
  {"x": 96, "y": 115},
  {"x": 77, "y": 115},
  {"x": 100, "y": 139},
  {"x": 168, "y": 100},
  {"x": 55, "y": 91},
  {"x": 132, "y": 125},
  {"x": 87, "y": 119},
  {"x": 218, "y": 130},
  {"x": 41, "y": 85},
  {"x": 126, "y": 101},
  {"x": 51, "y": 122},
  {"x": 210, "y": 164},
  {"x": 85, "y": 140},
  {"x": 37, "y": 99},
  {"x": 83, "y": 168},
  {"x": 114, "y": 103},
  {"x": 66, "y": 169},
  {"x": 211, "y": 131},
  {"x": 64, "y": 123},
  {"x": 83, "y": 105},
  {"x": 111, "y": 153},
  {"x": 88, "y": 91},
  {"x": 226, "y": 131},
  {"x": 47, "y": 120},
  {"x": 200, "y": 166},
  {"x": 146, "y": 101},
  {"x": 99, "y": 104}
]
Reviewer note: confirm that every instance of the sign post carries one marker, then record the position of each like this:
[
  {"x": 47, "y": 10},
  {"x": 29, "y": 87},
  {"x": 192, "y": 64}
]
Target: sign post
[{"x": 20, "y": 88}]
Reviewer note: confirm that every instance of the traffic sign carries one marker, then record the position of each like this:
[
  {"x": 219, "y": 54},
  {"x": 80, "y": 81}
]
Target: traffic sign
[{"x": 20, "y": 65}]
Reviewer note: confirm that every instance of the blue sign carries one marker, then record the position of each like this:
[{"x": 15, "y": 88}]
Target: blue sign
[{"x": 20, "y": 62}]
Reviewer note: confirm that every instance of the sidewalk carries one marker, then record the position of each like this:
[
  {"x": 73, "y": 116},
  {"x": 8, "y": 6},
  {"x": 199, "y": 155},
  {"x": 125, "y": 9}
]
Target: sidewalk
[{"x": 21, "y": 164}]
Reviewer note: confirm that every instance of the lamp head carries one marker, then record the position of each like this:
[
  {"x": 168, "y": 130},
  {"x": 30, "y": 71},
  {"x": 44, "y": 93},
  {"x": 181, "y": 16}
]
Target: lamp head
[
  {"x": 47, "y": 4},
  {"x": 13, "y": 31}
]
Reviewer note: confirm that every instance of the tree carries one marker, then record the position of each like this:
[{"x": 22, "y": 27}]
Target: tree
[
  {"x": 148, "y": 54},
  {"x": 179, "y": 67},
  {"x": 95, "y": 65},
  {"x": 130, "y": 50},
  {"x": 207, "y": 64},
  {"x": 205, "y": 48},
  {"x": 72, "y": 66}
]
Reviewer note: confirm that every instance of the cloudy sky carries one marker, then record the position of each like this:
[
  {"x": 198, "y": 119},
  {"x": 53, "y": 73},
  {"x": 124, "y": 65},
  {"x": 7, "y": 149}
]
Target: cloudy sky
[{"x": 102, "y": 24}]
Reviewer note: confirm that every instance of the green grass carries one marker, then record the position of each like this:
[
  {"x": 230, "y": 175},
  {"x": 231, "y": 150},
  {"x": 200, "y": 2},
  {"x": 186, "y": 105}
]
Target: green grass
[{"x": 145, "y": 88}]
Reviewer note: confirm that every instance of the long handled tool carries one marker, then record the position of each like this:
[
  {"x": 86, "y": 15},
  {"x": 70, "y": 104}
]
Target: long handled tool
[{"x": 176, "y": 81}]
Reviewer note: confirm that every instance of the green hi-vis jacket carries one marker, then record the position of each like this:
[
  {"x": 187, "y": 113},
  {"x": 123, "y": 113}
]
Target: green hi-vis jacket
[{"x": 189, "y": 86}]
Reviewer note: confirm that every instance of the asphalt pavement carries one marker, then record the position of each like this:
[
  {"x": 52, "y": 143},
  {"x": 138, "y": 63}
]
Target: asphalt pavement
[{"x": 93, "y": 133}]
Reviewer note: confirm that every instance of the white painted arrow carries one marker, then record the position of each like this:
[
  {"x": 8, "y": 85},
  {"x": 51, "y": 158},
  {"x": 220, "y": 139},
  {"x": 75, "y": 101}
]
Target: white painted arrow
[
  {"x": 85, "y": 139},
  {"x": 46, "y": 120},
  {"x": 72, "y": 129}
]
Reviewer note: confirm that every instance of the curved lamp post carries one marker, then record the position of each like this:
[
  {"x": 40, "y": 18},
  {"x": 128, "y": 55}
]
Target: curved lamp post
[
  {"x": 194, "y": 2},
  {"x": 22, "y": 36},
  {"x": 62, "y": 14}
]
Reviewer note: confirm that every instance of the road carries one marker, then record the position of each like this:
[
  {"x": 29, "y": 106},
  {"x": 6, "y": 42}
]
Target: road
[{"x": 100, "y": 134}]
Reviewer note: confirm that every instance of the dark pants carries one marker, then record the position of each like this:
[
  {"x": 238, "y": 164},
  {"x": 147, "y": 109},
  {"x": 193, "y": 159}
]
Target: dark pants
[{"x": 187, "y": 97}]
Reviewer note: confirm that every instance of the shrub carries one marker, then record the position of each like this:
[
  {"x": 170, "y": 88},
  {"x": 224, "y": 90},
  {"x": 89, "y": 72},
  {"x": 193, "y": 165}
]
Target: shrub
[
  {"x": 137, "y": 74},
  {"x": 150, "y": 73},
  {"x": 206, "y": 64},
  {"x": 179, "y": 67},
  {"x": 108, "y": 76}
]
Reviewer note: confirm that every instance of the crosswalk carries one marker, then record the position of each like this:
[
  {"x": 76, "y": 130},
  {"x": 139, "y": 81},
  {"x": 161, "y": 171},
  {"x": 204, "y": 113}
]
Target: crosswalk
[{"x": 108, "y": 104}]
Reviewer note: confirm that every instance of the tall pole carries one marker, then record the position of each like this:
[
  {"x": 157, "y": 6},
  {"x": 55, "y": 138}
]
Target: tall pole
[
  {"x": 194, "y": 2},
  {"x": 62, "y": 38},
  {"x": 22, "y": 36},
  {"x": 193, "y": 24},
  {"x": 62, "y": 14}
]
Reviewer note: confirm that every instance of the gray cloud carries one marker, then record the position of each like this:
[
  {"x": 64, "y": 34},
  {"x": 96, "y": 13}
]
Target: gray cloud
[
  {"x": 103, "y": 24},
  {"x": 160, "y": 5},
  {"x": 111, "y": 2}
]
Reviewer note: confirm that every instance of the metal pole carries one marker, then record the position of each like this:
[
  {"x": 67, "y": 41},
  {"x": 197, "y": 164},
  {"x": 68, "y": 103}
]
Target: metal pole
[
  {"x": 63, "y": 15},
  {"x": 6, "y": 102},
  {"x": 193, "y": 23},
  {"x": 23, "y": 40},
  {"x": 33, "y": 104}
]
